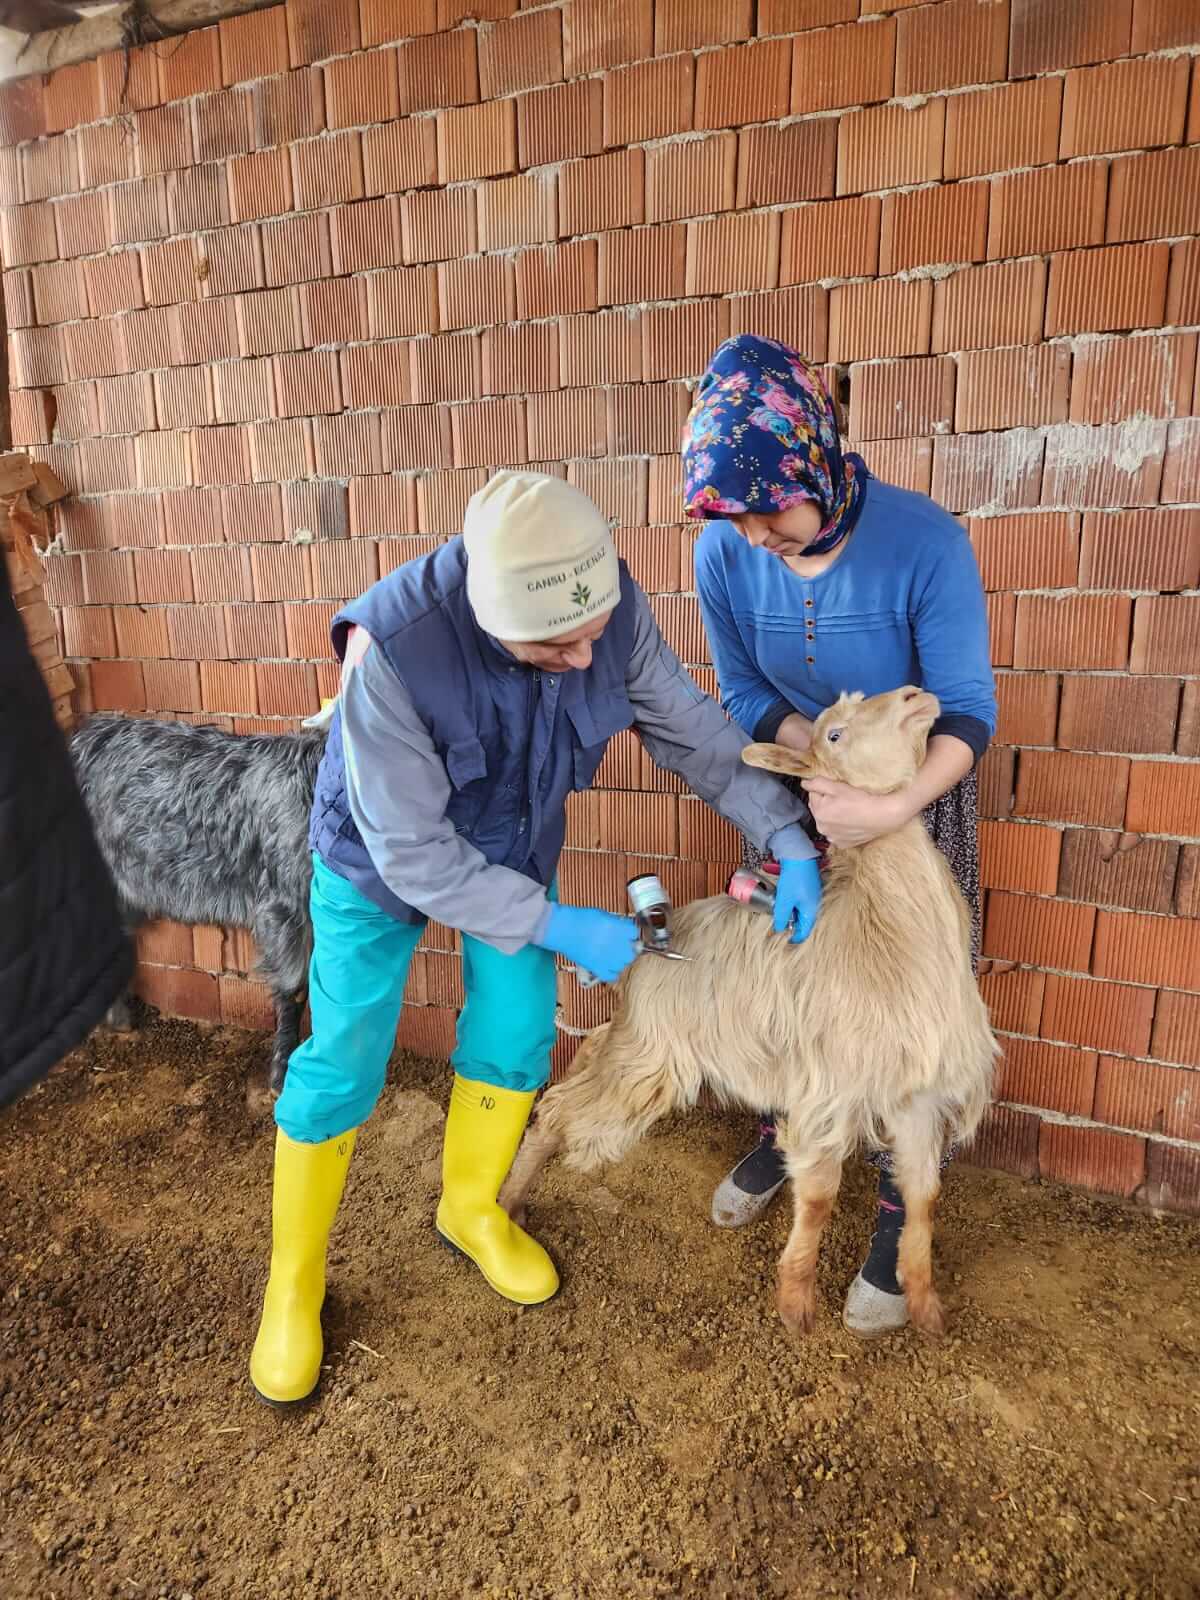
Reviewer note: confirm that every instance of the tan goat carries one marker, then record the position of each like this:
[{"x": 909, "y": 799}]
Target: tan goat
[{"x": 871, "y": 1030}]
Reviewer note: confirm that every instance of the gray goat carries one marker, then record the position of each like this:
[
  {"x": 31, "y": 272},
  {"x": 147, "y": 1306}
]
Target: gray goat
[{"x": 204, "y": 826}]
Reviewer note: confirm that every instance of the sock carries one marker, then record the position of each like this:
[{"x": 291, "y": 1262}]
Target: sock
[
  {"x": 879, "y": 1269},
  {"x": 763, "y": 1168}
]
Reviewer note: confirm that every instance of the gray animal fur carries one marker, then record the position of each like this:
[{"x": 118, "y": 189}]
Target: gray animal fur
[{"x": 203, "y": 826}]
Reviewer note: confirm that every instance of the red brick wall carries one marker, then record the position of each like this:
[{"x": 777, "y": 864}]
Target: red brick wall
[{"x": 276, "y": 316}]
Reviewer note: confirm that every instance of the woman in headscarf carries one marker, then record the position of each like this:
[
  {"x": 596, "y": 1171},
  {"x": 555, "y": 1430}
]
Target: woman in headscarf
[{"x": 816, "y": 578}]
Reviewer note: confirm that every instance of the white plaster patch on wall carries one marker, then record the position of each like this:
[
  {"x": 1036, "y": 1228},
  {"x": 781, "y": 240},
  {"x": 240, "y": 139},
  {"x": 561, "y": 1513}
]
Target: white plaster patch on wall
[{"x": 1126, "y": 445}]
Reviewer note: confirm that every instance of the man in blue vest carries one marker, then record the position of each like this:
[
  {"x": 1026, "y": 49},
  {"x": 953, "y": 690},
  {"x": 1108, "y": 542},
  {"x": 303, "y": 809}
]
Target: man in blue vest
[{"x": 480, "y": 687}]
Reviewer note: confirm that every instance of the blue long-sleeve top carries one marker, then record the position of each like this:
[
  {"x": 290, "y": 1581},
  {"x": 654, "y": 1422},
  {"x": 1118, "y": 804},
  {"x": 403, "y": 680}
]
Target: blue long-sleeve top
[{"x": 903, "y": 603}]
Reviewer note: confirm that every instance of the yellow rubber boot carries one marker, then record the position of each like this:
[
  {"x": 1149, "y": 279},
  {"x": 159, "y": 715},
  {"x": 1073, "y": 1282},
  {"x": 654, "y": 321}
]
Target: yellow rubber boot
[
  {"x": 483, "y": 1129},
  {"x": 286, "y": 1361}
]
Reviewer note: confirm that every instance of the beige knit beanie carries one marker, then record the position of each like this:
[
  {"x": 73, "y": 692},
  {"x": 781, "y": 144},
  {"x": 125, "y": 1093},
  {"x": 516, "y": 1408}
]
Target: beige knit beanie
[{"x": 540, "y": 557}]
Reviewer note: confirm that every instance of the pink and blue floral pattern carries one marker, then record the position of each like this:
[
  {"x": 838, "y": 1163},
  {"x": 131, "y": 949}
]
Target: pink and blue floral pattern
[{"x": 762, "y": 436}]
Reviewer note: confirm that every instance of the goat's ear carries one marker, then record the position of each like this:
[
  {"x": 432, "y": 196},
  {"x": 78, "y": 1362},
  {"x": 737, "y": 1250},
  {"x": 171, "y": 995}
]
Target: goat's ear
[{"x": 775, "y": 758}]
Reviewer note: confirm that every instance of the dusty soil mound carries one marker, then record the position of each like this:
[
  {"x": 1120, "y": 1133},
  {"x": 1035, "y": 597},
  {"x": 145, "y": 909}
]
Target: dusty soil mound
[{"x": 651, "y": 1432}]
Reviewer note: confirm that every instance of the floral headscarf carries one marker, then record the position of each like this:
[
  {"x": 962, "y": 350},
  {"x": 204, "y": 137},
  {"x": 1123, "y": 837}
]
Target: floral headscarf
[{"x": 762, "y": 436}]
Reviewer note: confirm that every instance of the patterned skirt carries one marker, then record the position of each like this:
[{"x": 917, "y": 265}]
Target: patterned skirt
[{"x": 951, "y": 823}]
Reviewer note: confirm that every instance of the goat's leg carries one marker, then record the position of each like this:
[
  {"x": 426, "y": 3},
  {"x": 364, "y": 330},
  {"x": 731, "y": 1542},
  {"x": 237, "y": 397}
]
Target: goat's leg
[
  {"x": 815, "y": 1180},
  {"x": 917, "y": 1137},
  {"x": 288, "y": 1008},
  {"x": 284, "y": 946},
  {"x": 119, "y": 1018},
  {"x": 597, "y": 1114},
  {"x": 541, "y": 1144},
  {"x": 545, "y": 1135}
]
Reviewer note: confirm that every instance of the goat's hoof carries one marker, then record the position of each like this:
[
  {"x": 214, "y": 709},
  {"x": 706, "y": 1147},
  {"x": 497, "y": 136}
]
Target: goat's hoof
[
  {"x": 119, "y": 1018},
  {"x": 259, "y": 1101},
  {"x": 275, "y": 1079},
  {"x": 797, "y": 1305},
  {"x": 926, "y": 1314},
  {"x": 517, "y": 1210}
]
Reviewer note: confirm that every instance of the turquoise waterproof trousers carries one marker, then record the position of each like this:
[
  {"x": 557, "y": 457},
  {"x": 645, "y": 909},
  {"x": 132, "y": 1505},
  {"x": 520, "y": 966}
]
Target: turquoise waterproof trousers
[{"x": 356, "y": 986}]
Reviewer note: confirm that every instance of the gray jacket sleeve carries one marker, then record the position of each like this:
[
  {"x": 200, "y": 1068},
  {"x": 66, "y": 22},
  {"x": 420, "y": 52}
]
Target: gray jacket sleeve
[
  {"x": 687, "y": 732},
  {"x": 398, "y": 791}
]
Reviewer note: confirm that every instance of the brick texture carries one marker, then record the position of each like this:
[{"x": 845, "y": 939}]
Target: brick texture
[{"x": 278, "y": 304}]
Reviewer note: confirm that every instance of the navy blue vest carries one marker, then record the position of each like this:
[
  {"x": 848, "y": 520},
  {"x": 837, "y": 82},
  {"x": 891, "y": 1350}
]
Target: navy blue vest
[{"x": 515, "y": 741}]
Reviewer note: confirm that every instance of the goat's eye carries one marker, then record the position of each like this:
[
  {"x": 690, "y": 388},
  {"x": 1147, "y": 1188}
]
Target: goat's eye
[{"x": 834, "y": 735}]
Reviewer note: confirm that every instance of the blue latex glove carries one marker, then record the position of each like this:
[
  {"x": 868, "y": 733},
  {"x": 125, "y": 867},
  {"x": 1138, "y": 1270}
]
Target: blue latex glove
[
  {"x": 798, "y": 896},
  {"x": 595, "y": 940}
]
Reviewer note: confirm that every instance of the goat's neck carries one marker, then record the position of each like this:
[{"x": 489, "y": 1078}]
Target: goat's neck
[{"x": 902, "y": 866}]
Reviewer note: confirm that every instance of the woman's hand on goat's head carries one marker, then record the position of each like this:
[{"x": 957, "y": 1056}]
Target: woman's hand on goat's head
[{"x": 849, "y": 817}]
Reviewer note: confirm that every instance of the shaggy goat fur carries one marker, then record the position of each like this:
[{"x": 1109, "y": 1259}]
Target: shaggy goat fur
[
  {"x": 871, "y": 1030},
  {"x": 204, "y": 826}
]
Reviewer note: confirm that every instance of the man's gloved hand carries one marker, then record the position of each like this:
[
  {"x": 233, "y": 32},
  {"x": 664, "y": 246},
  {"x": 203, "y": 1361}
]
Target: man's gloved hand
[
  {"x": 595, "y": 940},
  {"x": 798, "y": 896}
]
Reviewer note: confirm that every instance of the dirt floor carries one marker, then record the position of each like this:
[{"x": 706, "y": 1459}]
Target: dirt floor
[{"x": 653, "y": 1431}]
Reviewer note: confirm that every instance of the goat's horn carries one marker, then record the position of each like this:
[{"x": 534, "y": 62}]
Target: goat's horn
[{"x": 774, "y": 758}]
